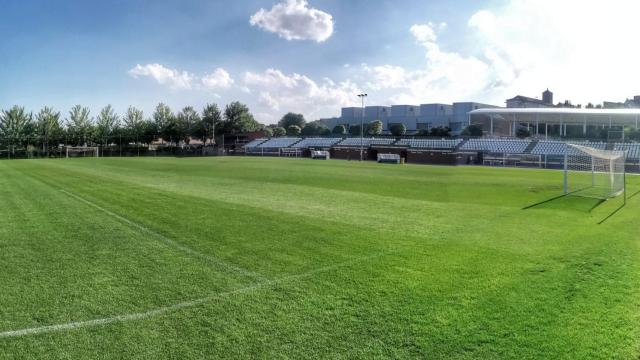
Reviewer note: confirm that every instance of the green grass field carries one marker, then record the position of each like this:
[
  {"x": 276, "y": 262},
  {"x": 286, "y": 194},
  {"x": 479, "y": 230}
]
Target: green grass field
[{"x": 272, "y": 258}]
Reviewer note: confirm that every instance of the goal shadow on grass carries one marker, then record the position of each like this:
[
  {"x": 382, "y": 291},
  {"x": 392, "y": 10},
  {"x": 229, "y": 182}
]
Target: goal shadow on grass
[
  {"x": 564, "y": 202},
  {"x": 583, "y": 204}
]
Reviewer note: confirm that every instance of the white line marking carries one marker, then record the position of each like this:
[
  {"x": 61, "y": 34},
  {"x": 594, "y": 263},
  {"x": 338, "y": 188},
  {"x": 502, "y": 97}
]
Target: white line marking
[
  {"x": 170, "y": 242},
  {"x": 167, "y": 309}
]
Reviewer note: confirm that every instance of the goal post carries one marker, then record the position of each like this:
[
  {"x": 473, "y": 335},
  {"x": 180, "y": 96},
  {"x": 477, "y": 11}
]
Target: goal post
[
  {"x": 592, "y": 172},
  {"x": 82, "y": 151}
]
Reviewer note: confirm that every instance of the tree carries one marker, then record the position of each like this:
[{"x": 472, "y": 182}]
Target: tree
[
  {"x": 80, "y": 125},
  {"x": 522, "y": 132},
  {"x": 238, "y": 119},
  {"x": 268, "y": 132},
  {"x": 339, "y": 130},
  {"x": 440, "y": 131},
  {"x": 16, "y": 126},
  {"x": 134, "y": 123},
  {"x": 211, "y": 118},
  {"x": 188, "y": 118},
  {"x": 293, "y": 130},
  {"x": 472, "y": 130},
  {"x": 374, "y": 127},
  {"x": 355, "y": 130},
  {"x": 632, "y": 134},
  {"x": 107, "y": 123},
  {"x": 292, "y": 119},
  {"x": 163, "y": 121},
  {"x": 48, "y": 127},
  {"x": 595, "y": 133},
  {"x": 148, "y": 132},
  {"x": 279, "y": 131},
  {"x": 313, "y": 128},
  {"x": 397, "y": 129}
]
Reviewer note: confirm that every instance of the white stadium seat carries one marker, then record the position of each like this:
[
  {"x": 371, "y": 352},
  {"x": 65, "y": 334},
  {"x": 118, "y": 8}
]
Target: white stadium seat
[
  {"x": 366, "y": 141},
  {"x": 507, "y": 146},
  {"x": 278, "y": 143},
  {"x": 317, "y": 142},
  {"x": 430, "y": 143}
]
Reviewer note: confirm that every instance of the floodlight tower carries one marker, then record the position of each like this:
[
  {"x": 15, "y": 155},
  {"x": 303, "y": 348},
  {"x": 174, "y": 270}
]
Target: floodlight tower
[{"x": 362, "y": 97}]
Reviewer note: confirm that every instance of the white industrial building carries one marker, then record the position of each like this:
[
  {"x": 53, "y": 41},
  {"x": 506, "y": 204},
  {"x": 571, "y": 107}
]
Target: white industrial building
[{"x": 414, "y": 117}]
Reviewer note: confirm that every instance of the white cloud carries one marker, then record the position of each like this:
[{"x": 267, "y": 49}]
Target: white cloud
[
  {"x": 218, "y": 79},
  {"x": 164, "y": 75},
  {"x": 426, "y": 33},
  {"x": 280, "y": 92},
  {"x": 295, "y": 20},
  {"x": 447, "y": 76},
  {"x": 386, "y": 77},
  {"x": 584, "y": 50},
  {"x": 580, "y": 49}
]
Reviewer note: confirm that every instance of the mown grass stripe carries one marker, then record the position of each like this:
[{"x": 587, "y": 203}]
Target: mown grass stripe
[
  {"x": 168, "y": 241},
  {"x": 175, "y": 307}
]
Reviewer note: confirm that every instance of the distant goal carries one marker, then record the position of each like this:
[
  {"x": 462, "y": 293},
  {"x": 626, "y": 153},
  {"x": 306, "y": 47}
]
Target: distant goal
[
  {"x": 389, "y": 158},
  {"x": 592, "y": 172},
  {"x": 82, "y": 151},
  {"x": 320, "y": 155}
]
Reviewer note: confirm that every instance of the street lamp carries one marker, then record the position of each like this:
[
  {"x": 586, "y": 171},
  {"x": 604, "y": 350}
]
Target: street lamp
[{"x": 362, "y": 97}]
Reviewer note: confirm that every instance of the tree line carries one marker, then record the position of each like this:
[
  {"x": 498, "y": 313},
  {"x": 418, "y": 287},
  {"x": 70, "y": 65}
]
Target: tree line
[
  {"x": 294, "y": 125},
  {"x": 47, "y": 127}
]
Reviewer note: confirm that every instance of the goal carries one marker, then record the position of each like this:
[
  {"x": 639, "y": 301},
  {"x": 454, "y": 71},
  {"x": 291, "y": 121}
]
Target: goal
[
  {"x": 592, "y": 172},
  {"x": 320, "y": 155},
  {"x": 389, "y": 158},
  {"x": 82, "y": 151}
]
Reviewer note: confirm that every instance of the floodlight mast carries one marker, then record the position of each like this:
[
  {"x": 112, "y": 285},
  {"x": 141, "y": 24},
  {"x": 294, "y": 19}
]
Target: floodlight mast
[{"x": 362, "y": 97}]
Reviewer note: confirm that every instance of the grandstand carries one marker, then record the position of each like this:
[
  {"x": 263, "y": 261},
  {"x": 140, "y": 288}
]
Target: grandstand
[
  {"x": 317, "y": 143},
  {"x": 508, "y": 146},
  {"x": 558, "y": 148},
  {"x": 430, "y": 143},
  {"x": 366, "y": 141},
  {"x": 254, "y": 143},
  {"x": 279, "y": 143},
  {"x": 487, "y": 151},
  {"x": 632, "y": 150}
]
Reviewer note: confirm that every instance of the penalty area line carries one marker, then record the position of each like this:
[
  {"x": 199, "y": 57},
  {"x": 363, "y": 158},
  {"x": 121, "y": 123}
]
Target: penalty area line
[
  {"x": 168, "y": 241},
  {"x": 175, "y": 307}
]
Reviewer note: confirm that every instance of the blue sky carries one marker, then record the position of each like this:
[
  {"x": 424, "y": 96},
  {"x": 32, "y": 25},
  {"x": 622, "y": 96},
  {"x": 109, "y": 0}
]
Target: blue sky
[{"x": 311, "y": 57}]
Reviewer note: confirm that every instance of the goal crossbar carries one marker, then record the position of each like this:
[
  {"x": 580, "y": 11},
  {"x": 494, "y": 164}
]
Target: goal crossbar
[{"x": 86, "y": 151}]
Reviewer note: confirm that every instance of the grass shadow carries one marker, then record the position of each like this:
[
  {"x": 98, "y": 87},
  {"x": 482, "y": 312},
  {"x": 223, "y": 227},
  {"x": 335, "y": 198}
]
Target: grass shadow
[
  {"x": 633, "y": 195},
  {"x": 570, "y": 203},
  {"x": 612, "y": 214}
]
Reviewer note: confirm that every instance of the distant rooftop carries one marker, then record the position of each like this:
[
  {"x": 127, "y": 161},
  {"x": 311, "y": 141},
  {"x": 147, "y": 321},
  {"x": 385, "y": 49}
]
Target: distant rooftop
[{"x": 574, "y": 111}]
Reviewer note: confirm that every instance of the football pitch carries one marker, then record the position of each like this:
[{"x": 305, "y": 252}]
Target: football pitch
[{"x": 286, "y": 258}]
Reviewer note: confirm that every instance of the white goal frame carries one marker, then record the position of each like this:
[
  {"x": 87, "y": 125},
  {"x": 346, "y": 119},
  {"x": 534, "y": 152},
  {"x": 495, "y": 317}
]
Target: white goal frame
[
  {"x": 85, "y": 149},
  {"x": 595, "y": 173}
]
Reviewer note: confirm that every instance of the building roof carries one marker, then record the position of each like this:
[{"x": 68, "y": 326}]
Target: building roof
[
  {"x": 571, "y": 111},
  {"x": 527, "y": 99}
]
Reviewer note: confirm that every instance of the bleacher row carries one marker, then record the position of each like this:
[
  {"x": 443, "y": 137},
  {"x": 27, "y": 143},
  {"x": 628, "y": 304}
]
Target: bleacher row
[
  {"x": 503, "y": 146},
  {"x": 299, "y": 143}
]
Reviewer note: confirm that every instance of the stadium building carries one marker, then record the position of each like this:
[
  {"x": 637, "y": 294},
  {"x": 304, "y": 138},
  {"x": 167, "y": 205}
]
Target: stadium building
[
  {"x": 553, "y": 122},
  {"x": 540, "y": 118},
  {"x": 414, "y": 117}
]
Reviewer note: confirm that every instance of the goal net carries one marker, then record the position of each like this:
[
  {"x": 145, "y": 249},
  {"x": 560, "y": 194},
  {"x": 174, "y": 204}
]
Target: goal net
[
  {"x": 389, "y": 158},
  {"x": 320, "y": 155},
  {"x": 82, "y": 151},
  {"x": 592, "y": 172}
]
